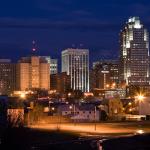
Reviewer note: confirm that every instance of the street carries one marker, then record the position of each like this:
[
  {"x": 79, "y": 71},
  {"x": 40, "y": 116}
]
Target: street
[{"x": 110, "y": 129}]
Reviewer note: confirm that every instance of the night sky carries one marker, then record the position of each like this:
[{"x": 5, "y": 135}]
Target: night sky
[{"x": 59, "y": 24}]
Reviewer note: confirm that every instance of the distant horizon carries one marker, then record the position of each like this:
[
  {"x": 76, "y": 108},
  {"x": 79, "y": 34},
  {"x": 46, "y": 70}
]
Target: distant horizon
[{"x": 59, "y": 59}]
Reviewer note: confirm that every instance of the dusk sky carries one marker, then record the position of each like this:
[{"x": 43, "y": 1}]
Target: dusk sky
[{"x": 59, "y": 24}]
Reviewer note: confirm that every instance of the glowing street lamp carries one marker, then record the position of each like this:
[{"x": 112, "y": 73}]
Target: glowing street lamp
[
  {"x": 69, "y": 94},
  {"x": 49, "y": 106},
  {"x": 140, "y": 98},
  {"x": 73, "y": 107},
  {"x": 113, "y": 85},
  {"x": 23, "y": 95},
  {"x": 129, "y": 103},
  {"x": 70, "y": 107},
  {"x": 130, "y": 109},
  {"x": 107, "y": 85},
  {"x": 53, "y": 108}
]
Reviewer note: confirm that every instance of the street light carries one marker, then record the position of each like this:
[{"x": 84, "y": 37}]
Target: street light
[
  {"x": 140, "y": 98},
  {"x": 22, "y": 95},
  {"x": 95, "y": 118},
  {"x": 129, "y": 103},
  {"x": 53, "y": 108},
  {"x": 107, "y": 86},
  {"x": 74, "y": 109},
  {"x": 69, "y": 95},
  {"x": 49, "y": 106},
  {"x": 70, "y": 107},
  {"x": 113, "y": 85}
]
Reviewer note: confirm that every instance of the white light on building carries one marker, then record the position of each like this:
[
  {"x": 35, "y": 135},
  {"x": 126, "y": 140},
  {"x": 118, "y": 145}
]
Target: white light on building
[{"x": 76, "y": 63}]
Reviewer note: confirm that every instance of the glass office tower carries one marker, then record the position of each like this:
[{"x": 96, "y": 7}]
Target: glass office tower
[
  {"x": 134, "y": 53},
  {"x": 76, "y": 63}
]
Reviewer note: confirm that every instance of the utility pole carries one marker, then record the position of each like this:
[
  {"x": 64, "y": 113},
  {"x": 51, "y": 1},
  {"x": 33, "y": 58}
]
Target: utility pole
[
  {"x": 74, "y": 113},
  {"x": 95, "y": 118}
]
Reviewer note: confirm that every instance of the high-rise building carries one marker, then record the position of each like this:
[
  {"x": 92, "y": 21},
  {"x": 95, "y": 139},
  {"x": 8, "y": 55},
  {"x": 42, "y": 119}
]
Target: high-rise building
[
  {"x": 104, "y": 74},
  {"x": 60, "y": 82},
  {"x": 53, "y": 64},
  {"x": 33, "y": 72},
  {"x": 7, "y": 76},
  {"x": 134, "y": 53},
  {"x": 76, "y": 63}
]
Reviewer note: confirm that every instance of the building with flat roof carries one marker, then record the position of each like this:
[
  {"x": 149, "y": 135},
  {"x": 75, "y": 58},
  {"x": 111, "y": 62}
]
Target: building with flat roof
[
  {"x": 76, "y": 63},
  {"x": 53, "y": 64},
  {"x": 7, "y": 76},
  {"x": 104, "y": 74},
  {"x": 33, "y": 73},
  {"x": 60, "y": 82}
]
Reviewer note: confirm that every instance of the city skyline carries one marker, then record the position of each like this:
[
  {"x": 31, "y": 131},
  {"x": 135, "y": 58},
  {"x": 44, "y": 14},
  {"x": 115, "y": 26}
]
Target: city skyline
[
  {"x": 74, "y": 74},
  {"x": 29, "y": 52},
  {"x": 57, "y": 25}
]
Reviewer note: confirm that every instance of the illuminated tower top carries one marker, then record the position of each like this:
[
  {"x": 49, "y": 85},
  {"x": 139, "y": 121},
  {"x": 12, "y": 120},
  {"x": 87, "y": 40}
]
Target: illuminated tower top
[
  {"x": 134, "y": 22},
  {"x": 134, "y": 53}
]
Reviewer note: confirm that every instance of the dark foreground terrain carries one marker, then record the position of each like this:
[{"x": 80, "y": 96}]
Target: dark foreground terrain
[
  {"x": 137, "y": 142},
  {"x": 31, "y": 139}
]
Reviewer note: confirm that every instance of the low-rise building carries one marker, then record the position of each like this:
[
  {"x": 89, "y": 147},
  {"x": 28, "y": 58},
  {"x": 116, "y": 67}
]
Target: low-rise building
[
  {"x": 115, "y": 107},
  {"x": 80, "y": 113}
]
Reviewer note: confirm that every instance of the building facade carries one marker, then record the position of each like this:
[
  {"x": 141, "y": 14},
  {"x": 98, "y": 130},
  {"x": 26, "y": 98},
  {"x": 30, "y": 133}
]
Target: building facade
[
  {"x": 53, "y": 64},
  {"x": 60, "y": 82},
  {"x": 7, "y": 76},
  {"x": 76, "y": 63},
  {"x": 104, "y": 74},
  {"x": 33, "y": 73},
  {"x": 134, "y": 53},
  {"x": 80, "y": 113}
]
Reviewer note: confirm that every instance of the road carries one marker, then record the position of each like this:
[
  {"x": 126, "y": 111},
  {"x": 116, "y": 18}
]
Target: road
[{"x": 121, "y": 128}]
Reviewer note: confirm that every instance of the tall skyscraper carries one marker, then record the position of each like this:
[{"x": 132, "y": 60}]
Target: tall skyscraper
[
  {"x": 33, "y": 72},
  {"x": 134, "y": 54},
  {"x": 7, "y": 76},
  {"x": 76, "y": 63}
]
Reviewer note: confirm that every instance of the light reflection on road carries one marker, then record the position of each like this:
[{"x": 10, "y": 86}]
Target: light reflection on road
[{"x": 101, "y": 129}]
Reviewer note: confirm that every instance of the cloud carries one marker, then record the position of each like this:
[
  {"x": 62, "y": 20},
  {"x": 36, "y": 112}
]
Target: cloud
[{"x": 57, "y": 25}]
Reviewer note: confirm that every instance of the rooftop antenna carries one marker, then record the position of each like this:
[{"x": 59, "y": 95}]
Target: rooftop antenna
[{"x": 33, "y": 46}]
